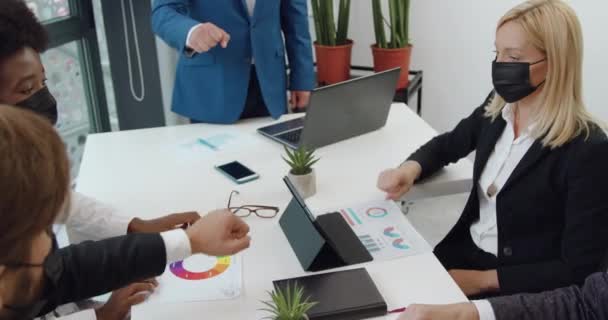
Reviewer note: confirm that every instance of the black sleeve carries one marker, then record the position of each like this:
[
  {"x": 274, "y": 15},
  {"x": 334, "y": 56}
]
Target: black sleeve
[
  {"x": 584, "y": 239},
  {"x": 451, "y": 146},
  {"x": 573, "y": 303},
  {"x": 97, "y": 267}
]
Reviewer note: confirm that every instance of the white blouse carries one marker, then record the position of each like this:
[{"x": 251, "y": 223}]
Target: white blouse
[{"x": 507, "y": 154}]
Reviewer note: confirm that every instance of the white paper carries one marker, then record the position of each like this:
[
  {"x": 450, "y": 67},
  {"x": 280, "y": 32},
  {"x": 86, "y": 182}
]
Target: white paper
[
  {"x": 384, "y": 230},
  {"x": 200, "y": 278},
  {"x": 194, "y": 148}
]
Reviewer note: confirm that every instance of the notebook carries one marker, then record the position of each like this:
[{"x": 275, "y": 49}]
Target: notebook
[{"x": 342, "y": 295}]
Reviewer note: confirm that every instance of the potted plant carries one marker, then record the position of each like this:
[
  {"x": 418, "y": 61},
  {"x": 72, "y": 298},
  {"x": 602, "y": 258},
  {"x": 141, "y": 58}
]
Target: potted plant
[
  {"x": 302, "y": 175},
  {"x": 288, "y": 304},
  {"x": 398, "y": 51},
  {"x": 333, "y": 49}
]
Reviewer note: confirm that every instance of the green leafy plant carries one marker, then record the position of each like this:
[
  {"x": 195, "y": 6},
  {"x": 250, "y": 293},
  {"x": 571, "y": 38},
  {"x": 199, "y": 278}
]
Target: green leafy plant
[
  {"x": 288, "y": 304},
  {"x": 300, "y": 160},
  {"x": 325, "y": 27},
  {"x": 399, "y": 11}
]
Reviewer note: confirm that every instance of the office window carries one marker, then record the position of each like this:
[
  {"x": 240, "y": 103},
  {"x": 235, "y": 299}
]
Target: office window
[
  {"x": 74, "y": 71},
  {"x": 65, "y": 81},
  {"x": 49, "y": 9}
]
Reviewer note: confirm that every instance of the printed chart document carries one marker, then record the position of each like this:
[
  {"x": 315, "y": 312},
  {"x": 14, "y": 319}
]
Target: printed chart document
[
  {"x": 384, "y": 230},
  {"x": 200, "y": 278}
]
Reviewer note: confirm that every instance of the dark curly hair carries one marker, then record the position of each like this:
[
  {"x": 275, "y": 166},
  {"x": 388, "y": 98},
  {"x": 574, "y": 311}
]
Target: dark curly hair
[{"x": 19, "y": 28}]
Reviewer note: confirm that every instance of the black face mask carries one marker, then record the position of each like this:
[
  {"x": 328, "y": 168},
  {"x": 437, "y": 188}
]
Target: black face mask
[
  {"x": 512, "y": 80},
  {"x": 52, "y": 271},
  {"x": 43, "y": 103}
]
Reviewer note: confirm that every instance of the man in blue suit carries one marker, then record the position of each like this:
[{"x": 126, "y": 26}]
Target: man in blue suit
[{"x": 232, "y": 61}]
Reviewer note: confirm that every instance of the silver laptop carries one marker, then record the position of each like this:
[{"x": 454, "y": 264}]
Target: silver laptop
[{"x": 339, "y": 112}]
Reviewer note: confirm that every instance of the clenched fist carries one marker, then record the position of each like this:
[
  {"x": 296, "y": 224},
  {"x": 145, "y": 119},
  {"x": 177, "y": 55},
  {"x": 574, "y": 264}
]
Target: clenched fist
[
  {"x": 207, "y": 36},
  {"x": 219, "y": 233}
]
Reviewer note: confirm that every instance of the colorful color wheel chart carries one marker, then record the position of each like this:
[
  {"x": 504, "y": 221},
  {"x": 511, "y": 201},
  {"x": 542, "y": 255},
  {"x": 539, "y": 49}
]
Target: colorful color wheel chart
[
  {"x": 222, "y": 264},
  {"x": 376, "y": 212}
]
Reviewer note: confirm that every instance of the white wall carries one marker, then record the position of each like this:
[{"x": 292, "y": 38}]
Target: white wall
[{"x": 453, "y": 43}]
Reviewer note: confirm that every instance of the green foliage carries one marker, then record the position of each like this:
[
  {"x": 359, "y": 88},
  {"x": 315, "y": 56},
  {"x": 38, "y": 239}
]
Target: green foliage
[
  {"x": 399, "y": 11},
  {"x": 288, "y": 304},
  {"x": 300, "y": 160},
  {"x": 325, "y": 27}
]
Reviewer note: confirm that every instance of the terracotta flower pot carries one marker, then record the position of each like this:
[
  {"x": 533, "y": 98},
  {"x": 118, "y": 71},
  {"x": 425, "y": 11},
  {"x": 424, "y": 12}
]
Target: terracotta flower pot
[
  {"x": 385, "y": 59},
  {"x": 333, "y": 63}
]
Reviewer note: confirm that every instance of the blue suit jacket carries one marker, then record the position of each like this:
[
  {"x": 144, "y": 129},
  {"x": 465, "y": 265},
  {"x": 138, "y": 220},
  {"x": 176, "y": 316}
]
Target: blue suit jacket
[{"x": 212, "y": 86}]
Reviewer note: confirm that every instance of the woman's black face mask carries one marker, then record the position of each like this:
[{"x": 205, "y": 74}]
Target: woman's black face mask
[
  {"x": 512, "y": 80},
  {"x": 42, "y": 103}
]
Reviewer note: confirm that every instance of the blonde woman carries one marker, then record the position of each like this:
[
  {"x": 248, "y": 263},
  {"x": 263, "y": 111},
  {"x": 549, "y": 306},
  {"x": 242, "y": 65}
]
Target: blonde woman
[{"x": 537, "y": 216}]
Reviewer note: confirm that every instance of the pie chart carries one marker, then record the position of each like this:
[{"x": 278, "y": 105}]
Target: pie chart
[
  {"x": 400, "y": 244},
  {"x": 180, "y": 271},
  {"x": 391, "y": 232},
  {"x": 376, "y": 212}
]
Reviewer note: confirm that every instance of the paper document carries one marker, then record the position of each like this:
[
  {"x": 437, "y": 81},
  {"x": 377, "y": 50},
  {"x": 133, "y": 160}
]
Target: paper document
[
  {"x": 384, "y": 230},
  {"x": 200, "y": 278}
]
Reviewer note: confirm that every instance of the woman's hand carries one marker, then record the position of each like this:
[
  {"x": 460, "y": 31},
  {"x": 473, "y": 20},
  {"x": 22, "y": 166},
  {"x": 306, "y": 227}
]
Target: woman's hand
[
  {"x": 398, "y": 182},
  {"x": 121, "y": 300},
  {"x": 166, "y": 223},
  {"x": 473, "y": 282},
  {"x": 461, "y": 311}
]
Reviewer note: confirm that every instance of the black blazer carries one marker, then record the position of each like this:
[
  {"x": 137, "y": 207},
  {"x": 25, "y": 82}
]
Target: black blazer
[
  {"x": 552, "y": 213},
  {"x": 93, "y": 268}
]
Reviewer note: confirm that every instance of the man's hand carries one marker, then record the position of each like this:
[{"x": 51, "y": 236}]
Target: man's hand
[
  {"x": 206, "y": 36},
  {"x": 162, "y": 224},
  {"x": 473, "y": 282},
  {"x": 299, "y": 100},
  {"x": 219, "y": 233},
  {"x": 121, "y": 300},
  {"x": 461, "y": 311}
]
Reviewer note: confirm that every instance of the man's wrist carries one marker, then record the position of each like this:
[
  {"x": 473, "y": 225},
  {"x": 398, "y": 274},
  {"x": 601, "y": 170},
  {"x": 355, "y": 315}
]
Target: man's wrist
[
  {"x": 135, "y": 225},
  {"x": 188, "y": 37},
  {"x": 468, "y": 311}
]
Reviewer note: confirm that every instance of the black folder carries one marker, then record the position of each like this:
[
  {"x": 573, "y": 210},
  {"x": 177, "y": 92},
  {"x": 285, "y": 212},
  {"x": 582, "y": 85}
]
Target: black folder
[{"x": 343, "y": 295}]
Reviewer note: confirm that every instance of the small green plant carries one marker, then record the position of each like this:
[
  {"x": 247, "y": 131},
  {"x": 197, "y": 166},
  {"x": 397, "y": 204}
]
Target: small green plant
[
  {"x": 300, "y": 160},
  {"x": 399, "y": 24},
  {"x": 288, "y": 304},
  {"x": 325, "y": 27}
]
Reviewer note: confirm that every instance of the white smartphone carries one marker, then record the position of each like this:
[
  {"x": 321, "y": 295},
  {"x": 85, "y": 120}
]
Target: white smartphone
[{"x": 237, "y": 172}]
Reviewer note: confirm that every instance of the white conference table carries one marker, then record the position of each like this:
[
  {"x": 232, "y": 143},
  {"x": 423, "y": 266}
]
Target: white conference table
[{"x": 151, "y": 172}]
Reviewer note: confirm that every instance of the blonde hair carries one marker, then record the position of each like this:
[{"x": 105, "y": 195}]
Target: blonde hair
[{"x": 554, "y": 29}]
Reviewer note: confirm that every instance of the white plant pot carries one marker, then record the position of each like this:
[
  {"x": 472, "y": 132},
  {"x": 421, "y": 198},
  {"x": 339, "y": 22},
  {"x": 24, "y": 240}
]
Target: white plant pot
[{"x": 306, "y": 184}]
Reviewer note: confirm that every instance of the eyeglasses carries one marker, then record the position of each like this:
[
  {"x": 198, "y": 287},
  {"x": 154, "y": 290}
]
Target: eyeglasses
[{"x": 266, "y": 212}]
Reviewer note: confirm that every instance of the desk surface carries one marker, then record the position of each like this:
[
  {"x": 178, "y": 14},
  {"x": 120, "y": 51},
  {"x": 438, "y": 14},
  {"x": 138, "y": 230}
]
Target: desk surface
[{"x": 151, "y": 172}]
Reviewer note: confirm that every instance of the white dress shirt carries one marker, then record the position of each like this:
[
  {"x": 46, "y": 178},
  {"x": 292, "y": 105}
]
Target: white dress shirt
[
  {"x": 88, "y": 219},
  {"x": 484, "y": 308},
  {"x": 250, "y": 7},
  {"x": 507, "y": 154}
]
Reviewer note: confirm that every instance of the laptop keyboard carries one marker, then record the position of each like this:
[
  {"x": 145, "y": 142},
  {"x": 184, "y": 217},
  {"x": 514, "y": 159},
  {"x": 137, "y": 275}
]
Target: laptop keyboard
[{"x": 291, "y": 136}]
